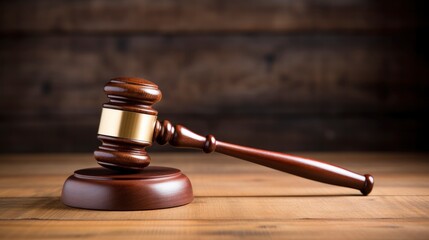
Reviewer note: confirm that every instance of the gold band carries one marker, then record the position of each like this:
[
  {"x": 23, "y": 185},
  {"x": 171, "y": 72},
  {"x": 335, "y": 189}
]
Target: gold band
[{"x": 123, "y": 124}]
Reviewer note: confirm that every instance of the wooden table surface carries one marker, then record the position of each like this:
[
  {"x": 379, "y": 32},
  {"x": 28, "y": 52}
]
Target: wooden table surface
[{"x": 234, "y": 199}]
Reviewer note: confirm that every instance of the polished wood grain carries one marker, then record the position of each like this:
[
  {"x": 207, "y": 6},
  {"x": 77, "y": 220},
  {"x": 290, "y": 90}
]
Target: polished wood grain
[{"x": 233, "y": 200}]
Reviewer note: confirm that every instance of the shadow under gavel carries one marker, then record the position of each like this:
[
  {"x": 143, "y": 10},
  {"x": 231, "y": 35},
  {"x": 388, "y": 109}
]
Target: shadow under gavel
[{"x": 129, "y": 124}]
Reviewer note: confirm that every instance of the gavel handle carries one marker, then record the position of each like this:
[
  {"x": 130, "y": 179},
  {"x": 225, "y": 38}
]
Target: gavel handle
[{"x": 180, "y": 136}]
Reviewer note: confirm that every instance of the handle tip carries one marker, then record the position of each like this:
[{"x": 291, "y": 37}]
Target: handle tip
[{"x": 369, "y": 183}]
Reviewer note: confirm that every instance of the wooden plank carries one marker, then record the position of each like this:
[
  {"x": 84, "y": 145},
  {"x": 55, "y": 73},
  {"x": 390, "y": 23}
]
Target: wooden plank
[
  {"x": 224, "y": 229},
  {"x": 30, "y": 205},
  {"x": 233, "y": 208},
  {"x": 308, "y": 96},
  {"x": 205, "y": 16},
  {"x": 215, "y": 75}
]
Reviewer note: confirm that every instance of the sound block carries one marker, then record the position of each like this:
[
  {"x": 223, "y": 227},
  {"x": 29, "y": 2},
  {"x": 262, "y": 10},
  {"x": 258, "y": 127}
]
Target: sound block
[{"x": 103, "y": 189}]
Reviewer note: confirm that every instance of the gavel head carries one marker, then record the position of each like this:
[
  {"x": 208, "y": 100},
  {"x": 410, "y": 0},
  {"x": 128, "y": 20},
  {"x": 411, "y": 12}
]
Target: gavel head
[{"x": 127, "y": 123}]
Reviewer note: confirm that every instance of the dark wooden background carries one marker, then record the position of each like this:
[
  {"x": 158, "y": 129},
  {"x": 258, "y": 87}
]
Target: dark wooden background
[{"x": 283, "y": 75}]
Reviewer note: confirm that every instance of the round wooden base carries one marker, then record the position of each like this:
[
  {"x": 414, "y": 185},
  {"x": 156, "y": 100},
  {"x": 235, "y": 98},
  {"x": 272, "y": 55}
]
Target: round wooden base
[{"x": 103, "y": 189}]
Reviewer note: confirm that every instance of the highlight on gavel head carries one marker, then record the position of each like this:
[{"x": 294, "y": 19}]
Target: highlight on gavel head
[{"x": 127, "y": 123}]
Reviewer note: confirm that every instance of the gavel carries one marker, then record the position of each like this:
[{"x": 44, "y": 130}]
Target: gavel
[{"x": 129, "y": 124}]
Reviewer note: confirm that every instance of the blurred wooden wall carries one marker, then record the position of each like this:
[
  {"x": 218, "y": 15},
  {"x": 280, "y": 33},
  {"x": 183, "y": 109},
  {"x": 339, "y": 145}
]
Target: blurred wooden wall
[{"x": 282, "y": 75}]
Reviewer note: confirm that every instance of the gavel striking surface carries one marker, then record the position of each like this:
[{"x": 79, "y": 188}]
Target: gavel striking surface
[{"x": 104, "y": 189}]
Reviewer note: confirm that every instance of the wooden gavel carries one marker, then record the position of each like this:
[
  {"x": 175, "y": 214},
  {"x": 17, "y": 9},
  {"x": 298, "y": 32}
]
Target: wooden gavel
[{"x": 128, "y": 124}]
